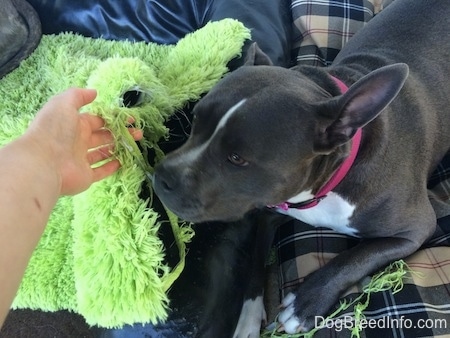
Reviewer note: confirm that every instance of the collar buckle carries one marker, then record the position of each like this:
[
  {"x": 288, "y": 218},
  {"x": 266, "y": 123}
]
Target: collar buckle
[{"x": 306, "y": 204}]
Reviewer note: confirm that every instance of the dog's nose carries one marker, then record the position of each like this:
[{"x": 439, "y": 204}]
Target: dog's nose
[
  {"x": 163, "y": 181},
  {"x": 166, "y": 185}
]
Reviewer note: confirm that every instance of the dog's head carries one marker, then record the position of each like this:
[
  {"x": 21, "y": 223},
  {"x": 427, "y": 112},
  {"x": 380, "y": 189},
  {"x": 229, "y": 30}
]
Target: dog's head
[{"x": 262, "y": 136}]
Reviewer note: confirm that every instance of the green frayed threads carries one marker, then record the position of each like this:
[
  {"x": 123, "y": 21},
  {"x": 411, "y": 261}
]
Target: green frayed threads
[{"x": 391, "y": 278}]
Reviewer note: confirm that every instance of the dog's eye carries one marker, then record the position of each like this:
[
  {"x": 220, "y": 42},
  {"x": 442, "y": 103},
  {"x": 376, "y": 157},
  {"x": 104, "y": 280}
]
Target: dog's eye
[{"x": 237, "y": 160}]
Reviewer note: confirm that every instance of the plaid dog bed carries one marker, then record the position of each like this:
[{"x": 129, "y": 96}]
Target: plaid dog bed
[
  {"x": 322, "y": 27},
  {"x": 422, "y": 307}
]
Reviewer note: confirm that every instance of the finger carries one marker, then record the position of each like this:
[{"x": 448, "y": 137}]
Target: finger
[
  {"x": 94, "y": 121},
  {"x": 96, "y": 155},
  {"x": 131, "y": 120},
  {"x": 78, "y": 97},
  {"x": 82, "y": 97},
  {"x": 99, "y": 138},
  {"x": 105, "y": 170},
  {"x": 137, "y": 134}
]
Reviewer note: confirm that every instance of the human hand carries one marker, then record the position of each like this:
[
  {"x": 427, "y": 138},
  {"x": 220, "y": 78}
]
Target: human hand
[{"x": 73, "y": 142}]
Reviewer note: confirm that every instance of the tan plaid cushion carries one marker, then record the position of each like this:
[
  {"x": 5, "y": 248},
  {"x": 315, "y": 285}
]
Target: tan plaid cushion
[{"x": 423, "y": 305}]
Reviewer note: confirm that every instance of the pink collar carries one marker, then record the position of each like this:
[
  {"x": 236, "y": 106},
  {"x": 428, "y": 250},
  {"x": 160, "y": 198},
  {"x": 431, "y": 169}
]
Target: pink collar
[{"x": 338, "y": 175}]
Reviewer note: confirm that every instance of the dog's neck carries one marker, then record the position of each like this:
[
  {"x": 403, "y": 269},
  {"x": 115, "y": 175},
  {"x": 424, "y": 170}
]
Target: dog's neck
[
  {"x": 341, "y": 85},
  {"x": 335, "y": 179},
  {"x": 338, "y": 175}
]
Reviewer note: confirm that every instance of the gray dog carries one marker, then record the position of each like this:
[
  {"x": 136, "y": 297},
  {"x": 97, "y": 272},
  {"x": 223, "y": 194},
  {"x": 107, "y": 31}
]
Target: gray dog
[{"x": 349, "y": 147}]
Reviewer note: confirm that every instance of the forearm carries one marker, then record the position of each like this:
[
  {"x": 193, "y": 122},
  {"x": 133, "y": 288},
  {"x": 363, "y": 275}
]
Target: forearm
[
  {"x": 29, "y": 190},
  {"x": 54, "y": 157}
]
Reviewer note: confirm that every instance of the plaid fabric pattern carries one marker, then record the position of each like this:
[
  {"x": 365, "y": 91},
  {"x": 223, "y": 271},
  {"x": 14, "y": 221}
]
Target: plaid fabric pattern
[
  {"x": 422, "y": 307},
  {"x": 439, "y": 181},
  {"x": 322, "y": 27}
]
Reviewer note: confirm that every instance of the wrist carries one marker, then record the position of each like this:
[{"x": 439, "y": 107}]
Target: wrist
[{"x": 37, "y": 162}]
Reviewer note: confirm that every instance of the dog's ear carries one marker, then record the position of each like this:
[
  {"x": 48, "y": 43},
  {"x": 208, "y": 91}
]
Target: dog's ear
[
  {"x": 256, "y": 57},
  {"x": 340, "y": 117}
]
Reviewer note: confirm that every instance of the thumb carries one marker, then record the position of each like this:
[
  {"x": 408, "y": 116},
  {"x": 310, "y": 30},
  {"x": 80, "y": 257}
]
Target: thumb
[{"x": 78, "y": 97}]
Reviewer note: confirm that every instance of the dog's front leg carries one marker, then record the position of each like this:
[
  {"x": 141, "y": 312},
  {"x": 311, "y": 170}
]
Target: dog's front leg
[
  {"x": 321, "y": 289},
  {"x": 253, "y": 311}
]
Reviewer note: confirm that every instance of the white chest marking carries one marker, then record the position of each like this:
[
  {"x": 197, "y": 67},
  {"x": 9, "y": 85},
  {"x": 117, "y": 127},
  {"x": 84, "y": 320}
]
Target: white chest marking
[{"x": 332, "y": 212}]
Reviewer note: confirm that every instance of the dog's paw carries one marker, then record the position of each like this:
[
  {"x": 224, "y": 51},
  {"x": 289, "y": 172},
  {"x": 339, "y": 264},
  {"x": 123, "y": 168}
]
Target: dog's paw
[
  {"x": 253, "y": 314},
  {"x": 288, "y": 319}
]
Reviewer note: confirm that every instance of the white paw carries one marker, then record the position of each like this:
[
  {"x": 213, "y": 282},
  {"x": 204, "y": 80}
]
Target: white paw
[
  {"x": 290, "y": 323},
  {"x": 252, "y": 315}
]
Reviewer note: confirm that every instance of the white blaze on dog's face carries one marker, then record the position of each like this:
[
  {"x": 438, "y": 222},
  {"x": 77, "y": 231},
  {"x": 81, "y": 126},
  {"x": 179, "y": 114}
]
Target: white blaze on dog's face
[
  {"x": 251, "y": 145},
  {"x": 265, "y": 134}
]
